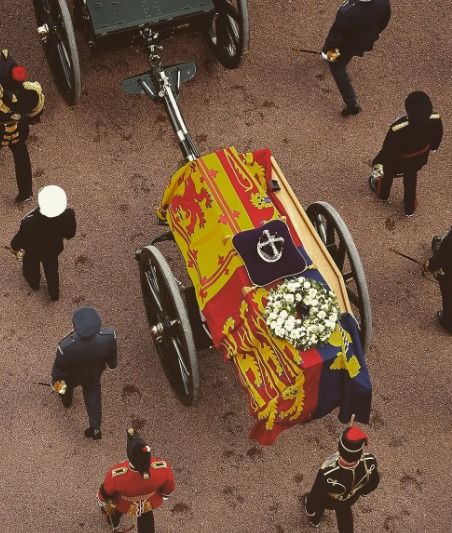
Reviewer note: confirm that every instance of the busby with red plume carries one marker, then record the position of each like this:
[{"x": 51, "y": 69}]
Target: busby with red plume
[
  {"x": 12, "y": 75},
  {"x": 352, "y": 443},
  {"x": 138, "y": 453}
]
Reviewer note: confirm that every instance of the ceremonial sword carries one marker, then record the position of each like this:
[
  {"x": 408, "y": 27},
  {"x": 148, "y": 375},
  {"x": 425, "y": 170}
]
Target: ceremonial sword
[
  {"x": 414, "y": 261},
  {"x": 305, "y": 51}
]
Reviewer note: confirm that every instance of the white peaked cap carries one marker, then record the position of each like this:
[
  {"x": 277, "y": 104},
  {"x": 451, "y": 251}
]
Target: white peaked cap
[{"x": 52, "y": 201}]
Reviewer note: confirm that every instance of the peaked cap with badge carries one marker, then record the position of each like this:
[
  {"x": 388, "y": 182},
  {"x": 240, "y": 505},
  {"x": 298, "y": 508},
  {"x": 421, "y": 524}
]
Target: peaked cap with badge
[{"x": 81, "y": 359}]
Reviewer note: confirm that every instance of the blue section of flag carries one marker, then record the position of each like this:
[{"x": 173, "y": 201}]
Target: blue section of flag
[{"x": 337, "y": 388}]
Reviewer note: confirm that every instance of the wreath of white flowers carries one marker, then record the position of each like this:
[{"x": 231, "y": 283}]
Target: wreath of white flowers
[{"x": 283, "y": 317}]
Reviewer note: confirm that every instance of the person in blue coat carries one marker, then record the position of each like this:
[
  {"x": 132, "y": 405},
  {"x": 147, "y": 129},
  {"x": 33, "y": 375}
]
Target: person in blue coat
[{"x": 81, "y": 358}]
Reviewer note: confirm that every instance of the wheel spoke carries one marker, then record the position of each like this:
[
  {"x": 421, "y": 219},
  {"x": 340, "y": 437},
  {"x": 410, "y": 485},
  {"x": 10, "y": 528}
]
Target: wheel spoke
[
  {"x": 65, "y": 63},
  {"x": 183, "y": 370},
  {"x": 153, "y": 288},
  {"x": 340, "y": 255},
  {"x": 232, "y": 28},
  {"x": 353, "y": 297}
]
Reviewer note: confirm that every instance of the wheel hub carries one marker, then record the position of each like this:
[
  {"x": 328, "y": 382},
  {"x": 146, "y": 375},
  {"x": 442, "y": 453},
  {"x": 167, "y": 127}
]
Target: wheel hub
[{"x": 158, "y": 330}]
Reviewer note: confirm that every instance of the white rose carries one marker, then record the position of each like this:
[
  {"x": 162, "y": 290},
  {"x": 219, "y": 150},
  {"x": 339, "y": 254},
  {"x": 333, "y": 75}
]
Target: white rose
[
  {"x": 314, "y": 302},
  {"x": 289, "y": 298},
  {"x": 283, "y": 314},
  {"x": 321, "y": 315},
  {"x": 312, "y": 292},
  {"x": 280, "y": 321},
  {"x": 307, "y": 285},
  {"x": 273, "y": 324},
  {"x": 298, "y": 297},
  {"x": 307, "y": 300}
]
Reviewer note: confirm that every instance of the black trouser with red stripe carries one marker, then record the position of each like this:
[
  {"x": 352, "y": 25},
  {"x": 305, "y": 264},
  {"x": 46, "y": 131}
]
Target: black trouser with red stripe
[{"x": 409, "y": 186}]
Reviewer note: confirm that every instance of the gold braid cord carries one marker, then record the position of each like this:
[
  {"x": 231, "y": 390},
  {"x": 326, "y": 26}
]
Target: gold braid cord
[{"x": 35, "y": 86}]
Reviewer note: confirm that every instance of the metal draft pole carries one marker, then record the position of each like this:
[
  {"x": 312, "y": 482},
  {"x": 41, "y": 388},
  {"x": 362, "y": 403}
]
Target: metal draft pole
[{"x": 166, "y": 89}]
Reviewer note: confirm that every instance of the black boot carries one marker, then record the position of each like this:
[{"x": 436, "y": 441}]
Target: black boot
[
  {"x": 93, "y": 433},
  {"x": 351, "y": 110}
]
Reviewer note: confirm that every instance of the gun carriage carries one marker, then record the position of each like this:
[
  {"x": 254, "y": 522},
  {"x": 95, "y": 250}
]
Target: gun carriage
[
  {"x": 209, "y": 205},
  {"x": 107, "y": 25},
  {"x": 212, "y": 200}
]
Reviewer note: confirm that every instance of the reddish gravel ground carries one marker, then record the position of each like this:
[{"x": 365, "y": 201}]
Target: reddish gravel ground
[{"x": 114, "y": 155}]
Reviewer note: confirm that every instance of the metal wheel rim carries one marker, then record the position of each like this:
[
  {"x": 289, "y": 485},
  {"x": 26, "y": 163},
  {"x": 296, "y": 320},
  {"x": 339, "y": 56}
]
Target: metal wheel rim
[
  {"x": 60, "y": 47},
  {"x": 164, "y": 304},
  {"x": 339, "y": 243}
]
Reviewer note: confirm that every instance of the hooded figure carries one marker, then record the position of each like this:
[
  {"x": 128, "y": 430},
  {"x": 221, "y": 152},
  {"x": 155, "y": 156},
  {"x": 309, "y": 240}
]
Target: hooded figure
[
  {"x": 41, "y": 236},
  {"x": 342, "y": 479},
  {"x": 21, "y": 104},
  {"x": 136, "y": 486},
  {"x": 81, "y": 358},
  {"x": 406, "y": 149}
]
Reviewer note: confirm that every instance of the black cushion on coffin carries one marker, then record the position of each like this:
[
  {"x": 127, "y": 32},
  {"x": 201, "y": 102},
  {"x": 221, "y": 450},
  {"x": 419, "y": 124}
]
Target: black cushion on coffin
[{"x": 260, "y": 271}]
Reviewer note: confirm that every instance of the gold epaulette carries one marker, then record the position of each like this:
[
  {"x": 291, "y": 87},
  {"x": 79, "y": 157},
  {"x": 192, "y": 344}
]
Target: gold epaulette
[
  {"x": 398, "y": 127},
  {"x": 435, "y": 115},
  {"x": 119, "y": 471},
  {"x": 331, "y": 462},
  {"x": 35, "y": 86},
  {"x": 159, "y": 464}
]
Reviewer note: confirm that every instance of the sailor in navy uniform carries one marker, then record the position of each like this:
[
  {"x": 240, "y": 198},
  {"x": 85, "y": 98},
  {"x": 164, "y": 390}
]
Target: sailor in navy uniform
[
  {"x": 357, "y": 27},
  {"x": 40, "y": 238},
  {"x": 341, "y": 480},
  {"x": 406, "y": 149},
  {"x": 81, "y": 358},
  {"x": 21, "y": 104}
]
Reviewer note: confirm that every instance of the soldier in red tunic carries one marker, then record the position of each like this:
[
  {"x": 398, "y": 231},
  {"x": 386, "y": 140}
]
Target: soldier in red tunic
[
  {"x": 342, "y": 479},
  {"x": 136, "y": 486}
]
